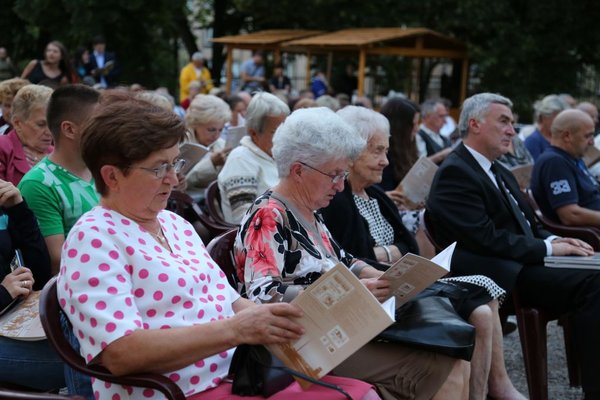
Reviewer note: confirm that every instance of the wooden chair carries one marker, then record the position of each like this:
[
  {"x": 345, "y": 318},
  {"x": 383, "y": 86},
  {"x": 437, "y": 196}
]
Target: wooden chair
[
  {"x": 532, "y": 323},
  {"x": 183, "y": 205},
  {"x": 7, "y": 394},
  {"x": 212, "y": 197},
  {"x": 50, "y": 315},
  {"x": 221, "y": 250},
  {"x": 588, "y": 234}
]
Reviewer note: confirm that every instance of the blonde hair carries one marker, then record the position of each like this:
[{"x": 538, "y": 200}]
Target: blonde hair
[
  {"x": 10, "y": 87},
  {"x": 28, "y": 98},
  {"x": 155, "y": 98},
  {"x": 206, "y": 109}
]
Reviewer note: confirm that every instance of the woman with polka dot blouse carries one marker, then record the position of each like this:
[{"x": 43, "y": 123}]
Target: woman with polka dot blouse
[{"x": 136, "y": 282}]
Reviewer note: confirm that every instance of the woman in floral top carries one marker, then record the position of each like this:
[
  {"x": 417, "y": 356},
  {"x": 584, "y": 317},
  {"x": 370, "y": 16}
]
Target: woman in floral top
[{"x": 283, "y": 246}]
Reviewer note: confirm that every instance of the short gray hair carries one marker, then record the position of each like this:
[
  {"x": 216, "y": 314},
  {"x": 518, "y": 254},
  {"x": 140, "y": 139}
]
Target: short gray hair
[
  {"x": 314, "y": 136},
  {"x": 365, "y": 121},
  {"x": 207, "y": 109},
  {"x": 549, "y": 105},
  {"x": 428, "y": 107},
  {"x": 197, "y": 56},
  {"x": 476, "y": 107},
  {"x": 263, "y": 105}
]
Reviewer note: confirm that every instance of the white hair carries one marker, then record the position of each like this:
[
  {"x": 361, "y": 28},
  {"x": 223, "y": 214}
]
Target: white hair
[
  {"x": 367, "y": 122},
  {"x": 314, "y": 136},
  {"x": 207, "y": 109},
  {"x": 263, "y": 105}
]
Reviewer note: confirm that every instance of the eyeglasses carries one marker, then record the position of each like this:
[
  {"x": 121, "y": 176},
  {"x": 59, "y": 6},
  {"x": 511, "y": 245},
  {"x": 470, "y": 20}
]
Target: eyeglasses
[
  {"x": 334, "y": 178},
  {"x": 162, "y": 170}
]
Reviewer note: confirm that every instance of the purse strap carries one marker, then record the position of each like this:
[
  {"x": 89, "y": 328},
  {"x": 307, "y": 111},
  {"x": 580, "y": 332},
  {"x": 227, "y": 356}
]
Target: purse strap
[{"x": 310, "y": 379}]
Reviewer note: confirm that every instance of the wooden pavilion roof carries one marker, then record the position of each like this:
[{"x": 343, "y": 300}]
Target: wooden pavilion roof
[
  {"x": 411, "y": 42},
  {"x": 268, "y": 39}
]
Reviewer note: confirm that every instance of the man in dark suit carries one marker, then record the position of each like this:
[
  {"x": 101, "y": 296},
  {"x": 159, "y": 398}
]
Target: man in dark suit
[
  {"x": 103, "y": 64},
  {"x": 477, "y": 203}
]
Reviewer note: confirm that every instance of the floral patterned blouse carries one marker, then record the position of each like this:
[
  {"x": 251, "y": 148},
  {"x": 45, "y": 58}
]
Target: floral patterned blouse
[{"x": 278, "y": 252}]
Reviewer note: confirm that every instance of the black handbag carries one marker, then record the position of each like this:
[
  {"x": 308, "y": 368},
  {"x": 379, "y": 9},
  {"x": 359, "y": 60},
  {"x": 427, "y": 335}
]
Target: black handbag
[
  {"x": 256, "y": 371},
  {"x": 430, "y": 322}
]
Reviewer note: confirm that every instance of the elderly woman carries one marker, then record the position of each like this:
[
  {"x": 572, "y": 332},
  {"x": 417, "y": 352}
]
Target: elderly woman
[
  {"x": 364, "y": 221},
  {"x": 27, "y": 363},
  {"x": 8, "y": 91},
  {"x": 136, "y": 282},
  {"x": 250, "y": 168},
  {"x": 205, "y": 120},
  {"x": 283, "y": 246},
  {"x": 30, "y": 140}
]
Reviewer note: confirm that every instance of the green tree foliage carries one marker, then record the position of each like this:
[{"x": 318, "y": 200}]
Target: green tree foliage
[{"x": 143, "y": 34}]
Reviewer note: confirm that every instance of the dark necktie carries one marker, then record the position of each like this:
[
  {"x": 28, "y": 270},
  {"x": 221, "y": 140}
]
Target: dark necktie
[{"x": 514, "y": 207}]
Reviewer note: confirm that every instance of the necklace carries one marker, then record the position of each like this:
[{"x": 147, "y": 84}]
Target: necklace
[{"x": 160, "y": 237}]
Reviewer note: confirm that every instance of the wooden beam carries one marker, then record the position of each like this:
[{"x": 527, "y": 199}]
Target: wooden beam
[
  {"x": 362, "y": 62},
  {"x": 329, "y": 66},
  {"x": 464, "y": 80},
  {"x": 307, "y": 78},
  {"x": 229, "y": 70},
  {"x": 417, "y": 53}
]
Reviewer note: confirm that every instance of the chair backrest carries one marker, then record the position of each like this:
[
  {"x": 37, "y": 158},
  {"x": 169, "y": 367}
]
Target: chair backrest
[
  {"x": 184, "y": 205},
  {"x": 7, "y": 394},
  {"x": 588, "y": 234},
  {"x": 50, "y": 316},
  {"x": 212, "y": 197},
  {"x": 429, "y": 232},
  {"x": 221, "y": 250}
]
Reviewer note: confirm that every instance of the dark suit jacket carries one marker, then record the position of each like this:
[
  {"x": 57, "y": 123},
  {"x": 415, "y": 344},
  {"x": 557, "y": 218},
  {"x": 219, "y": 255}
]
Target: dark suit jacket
[
  {"x": 113, "y": 75},
  {"x": 431, "y": 146},
  {"x": 351, "y": 230},
  {"x": 465, "y": 206}
]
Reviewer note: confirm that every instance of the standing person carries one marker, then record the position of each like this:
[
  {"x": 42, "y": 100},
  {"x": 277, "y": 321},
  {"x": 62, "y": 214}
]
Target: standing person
[
  {"x": 477, "y": 203},
  {"x": 194, "y": 71},
  {"x": 252, "y": 73},
  {"x": 27, "y": 363},
  {"x": 250, "y": 169},
  {"x": 8, "y": 91},
  {"x": 30, "y": 140},
  {"x": 103, "y": 64},
  {"x": 545, "y": 111},
  {"x": 169, "y": 308},
  {"x": 430, "y": 142},
  {"x": 55, "y": 69},
  {"x": 60, "y": 188},
  {"x": 7, "y": 69}
]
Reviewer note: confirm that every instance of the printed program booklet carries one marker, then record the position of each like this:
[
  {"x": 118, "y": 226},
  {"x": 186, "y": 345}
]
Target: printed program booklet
[
  {"x": 192, "y": 153},
  {"x": 589, "y": 262},
  {"x": 233, "y": 136},
  {"x": 22, "y": 322},
  {"x": 417, "y": 181},
  {"x": 341, "y": 315}
]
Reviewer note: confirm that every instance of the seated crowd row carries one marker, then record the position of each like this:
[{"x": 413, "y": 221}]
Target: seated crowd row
[{"x": 97, "y": 171}]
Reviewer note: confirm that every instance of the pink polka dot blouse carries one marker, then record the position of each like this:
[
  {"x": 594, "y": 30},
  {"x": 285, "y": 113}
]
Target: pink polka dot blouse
[{"x": 116, "y": 278}]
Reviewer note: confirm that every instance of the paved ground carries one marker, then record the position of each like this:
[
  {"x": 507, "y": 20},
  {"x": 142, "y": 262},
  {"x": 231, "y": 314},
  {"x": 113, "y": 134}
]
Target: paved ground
[{"x": 558, "y": 380}]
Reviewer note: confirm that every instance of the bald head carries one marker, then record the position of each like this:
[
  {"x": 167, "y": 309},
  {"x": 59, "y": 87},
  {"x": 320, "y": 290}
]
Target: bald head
[
  {"x": 573, "y": 131},
  {"x": 571, "y": 120}
]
